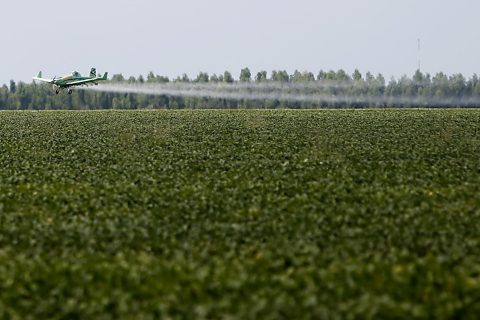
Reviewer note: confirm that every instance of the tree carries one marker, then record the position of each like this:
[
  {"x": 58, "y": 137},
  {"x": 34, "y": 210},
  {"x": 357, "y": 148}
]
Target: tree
[
  {"x": 304, "y": 76},
  {"x": 331, "y": 75},
  {"x": 342, "y": 75},
  {"x": 261, "y": 76},
  {"x": 457, "y": 84},
  {"x": 202, "y": 77},
  {"x": 321, "y": 75},
  {"x": 440, "y": 84},
  {"x": 118, "y": 78},
  {"x": 369, "y": 78},
  {"x": 3, "y": 96},
  {"x": 151, "y": 77},
  {"x": 475, "y": 83},
  {"x": 227, "y": 77},
  {"x": 280, "y": 76},
  {"x": 381, "y": 80},
  {"x": 418, "y": 77},
  {"x": 474, "y": 79},
  {"x": 308, "y": 76},
  {"x": 476, "y": 89},
  {"x": 182, "y": 78},
  {"x": 296, "y": 76},
  {"x": 245, "y": 75},
  {"x": 13, "y": 86},
  {"x": 214, "y": 78},
  {"x": 162, "y": 79},
  {"x": 357, "y": 76}
]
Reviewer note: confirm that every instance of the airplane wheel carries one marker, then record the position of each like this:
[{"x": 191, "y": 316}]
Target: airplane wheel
[
  {"x": 56, "y": 91},
  {"x": 70, "y": 91}
]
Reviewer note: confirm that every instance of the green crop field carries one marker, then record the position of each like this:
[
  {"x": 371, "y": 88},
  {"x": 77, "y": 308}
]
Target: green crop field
[{"x": 275, "y": 214}]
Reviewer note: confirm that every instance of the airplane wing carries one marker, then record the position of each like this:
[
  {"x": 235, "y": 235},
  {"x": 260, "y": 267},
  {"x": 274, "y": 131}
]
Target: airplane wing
[
  {"x": 86, "y": 81},
  {"x": 80, "y": 82},
  {"x": 39, "y": 78}
]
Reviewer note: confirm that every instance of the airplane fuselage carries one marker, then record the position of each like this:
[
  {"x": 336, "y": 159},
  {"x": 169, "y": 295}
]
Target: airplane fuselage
[{"x": 65, "y": 82}]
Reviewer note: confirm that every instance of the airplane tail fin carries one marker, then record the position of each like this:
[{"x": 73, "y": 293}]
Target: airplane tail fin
[
  {"x": 93, "y": 72},
  {"x": 105, "y": 76},
  {"x": 39, "y": 74}
]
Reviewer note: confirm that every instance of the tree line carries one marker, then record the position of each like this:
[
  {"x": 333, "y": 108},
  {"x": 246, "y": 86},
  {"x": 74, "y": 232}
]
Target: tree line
[{"x": 339, "y": 89}]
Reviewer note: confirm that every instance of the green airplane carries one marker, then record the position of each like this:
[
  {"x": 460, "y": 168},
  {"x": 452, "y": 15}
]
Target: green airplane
[{"x": 74, "y": 79}]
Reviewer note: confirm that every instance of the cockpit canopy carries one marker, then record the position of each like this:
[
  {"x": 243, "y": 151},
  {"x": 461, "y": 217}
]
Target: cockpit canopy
[{"x": 75, "y": 74}]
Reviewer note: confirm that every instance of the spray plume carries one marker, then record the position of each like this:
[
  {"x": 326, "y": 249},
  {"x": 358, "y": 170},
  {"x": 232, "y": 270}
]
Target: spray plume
[{"x": 316, "y": 93}]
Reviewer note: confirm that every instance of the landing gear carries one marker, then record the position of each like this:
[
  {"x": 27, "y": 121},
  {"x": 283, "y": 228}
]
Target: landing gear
[
  {"x": 56, "y": 91},
  {"x": 70, "y": 91}
]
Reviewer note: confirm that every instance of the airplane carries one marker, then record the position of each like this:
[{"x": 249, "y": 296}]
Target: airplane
[{"x": 72, "y": 80}]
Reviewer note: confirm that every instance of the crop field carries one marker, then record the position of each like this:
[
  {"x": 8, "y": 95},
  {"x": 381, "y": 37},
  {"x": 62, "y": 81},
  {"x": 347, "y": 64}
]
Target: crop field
[{"x": 275, "y": 214}]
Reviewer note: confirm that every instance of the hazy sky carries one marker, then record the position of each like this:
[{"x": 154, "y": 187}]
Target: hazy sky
[{"x": 173, "y": 37}]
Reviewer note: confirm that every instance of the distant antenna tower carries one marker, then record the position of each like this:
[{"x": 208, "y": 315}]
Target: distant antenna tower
[{"x": 418, "y": 57}]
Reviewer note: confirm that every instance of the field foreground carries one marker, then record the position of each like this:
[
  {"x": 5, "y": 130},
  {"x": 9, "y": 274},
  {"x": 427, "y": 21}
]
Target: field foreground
[{"x": 240, "y": 214}]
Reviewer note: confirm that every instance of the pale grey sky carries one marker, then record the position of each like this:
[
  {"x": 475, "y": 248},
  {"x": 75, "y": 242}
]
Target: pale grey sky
[{"x": 173, "y": 37}]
